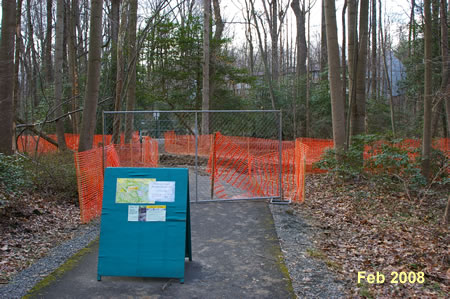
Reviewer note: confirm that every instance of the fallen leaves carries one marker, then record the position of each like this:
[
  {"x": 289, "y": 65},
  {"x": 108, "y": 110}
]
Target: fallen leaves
[
  {"x": 31, "y": 225},
  {"x": 366, "y": 229}
]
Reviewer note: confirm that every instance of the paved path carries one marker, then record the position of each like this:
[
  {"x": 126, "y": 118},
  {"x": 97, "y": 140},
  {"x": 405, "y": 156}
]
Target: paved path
[{"x": 236, "y": 254}]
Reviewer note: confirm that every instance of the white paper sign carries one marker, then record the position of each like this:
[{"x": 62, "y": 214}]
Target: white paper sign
[
  {"x": 156, "y": 213},
  {"x": 161, "y": 191},
  {"x": 133, "y": 213}
]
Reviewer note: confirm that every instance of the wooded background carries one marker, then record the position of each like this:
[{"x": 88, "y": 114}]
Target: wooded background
[{"x": 64, "y": 61}]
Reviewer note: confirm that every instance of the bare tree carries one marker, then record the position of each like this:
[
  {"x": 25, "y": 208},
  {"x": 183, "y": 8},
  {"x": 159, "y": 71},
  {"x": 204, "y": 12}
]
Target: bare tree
[
  {"x": 48, "y": 66},
  {"x": 249, "y": 37},
  {"x": 114, "y": 20},
  {"x": 263, "y": 51},
  {"x": 93, "y": 77},
  {"x": 426, "y": 141},
  {"x": 206, "y": 64},
  {"x": 352, "y": 50},
  {"x": 31, "y": 53},
  {"x": 73, "y": 65},
  {"x": 359, "y": 108},
  {"x": 373, "y": 64},
  {"x": 7, "y": 76},
  {"x": 17, "y": 58},
  {"x": 445, "y": 83},
  {"x": 337, "y": 107},
  {"x": 386, "y": 73},
  {"x": 215, "y": 47},
  {"x": 131, "y": 90},
  {"x": 274, "y": 38},
  {"x": 344, "y": 62},
  {"x": 120, "y": 71},
  {"x": 59, "y": 72},
  {"x": 300, "y": 70},
  {"x": 323, "y": 41}
]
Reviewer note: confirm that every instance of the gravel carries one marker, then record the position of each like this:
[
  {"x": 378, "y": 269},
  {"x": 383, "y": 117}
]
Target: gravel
[
  {"x": 310, "y": 277},
  {"x": 28, "y": 278}
]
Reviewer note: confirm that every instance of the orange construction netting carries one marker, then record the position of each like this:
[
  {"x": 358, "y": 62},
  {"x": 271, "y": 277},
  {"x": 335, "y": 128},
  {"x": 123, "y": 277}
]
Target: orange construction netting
[
  {"x": 252, "y": 164},
  {"x": 249, "y": 164},
  {"x": 89, "y": 167}
]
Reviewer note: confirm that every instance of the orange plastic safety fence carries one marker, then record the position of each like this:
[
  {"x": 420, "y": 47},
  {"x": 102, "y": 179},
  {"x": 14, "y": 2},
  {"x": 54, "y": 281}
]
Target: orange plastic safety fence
[
  {"x": 31, "y": 144},
  {"x": 237, "y": 163},
  {"x": 89, "y": 168},
  {"x": 316, "y": 148},
  {"x": 143, "y": 154}
]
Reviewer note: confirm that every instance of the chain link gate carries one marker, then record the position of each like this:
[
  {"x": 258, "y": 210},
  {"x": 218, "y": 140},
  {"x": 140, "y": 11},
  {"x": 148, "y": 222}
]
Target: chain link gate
[{"x": 231, "y": 154}]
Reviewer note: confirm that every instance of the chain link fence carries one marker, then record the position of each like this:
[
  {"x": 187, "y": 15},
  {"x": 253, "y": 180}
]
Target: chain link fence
[{"x": 230, "y": 154}]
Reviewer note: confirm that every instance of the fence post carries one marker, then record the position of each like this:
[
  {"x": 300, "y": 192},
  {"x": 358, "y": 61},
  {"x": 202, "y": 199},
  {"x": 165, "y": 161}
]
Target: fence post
[
  {"x": 280, "y": 148},
  {"x": 213, "y": 165},
  {"x": 196, "y": 158},
  {"x": 103, "y": 144}
]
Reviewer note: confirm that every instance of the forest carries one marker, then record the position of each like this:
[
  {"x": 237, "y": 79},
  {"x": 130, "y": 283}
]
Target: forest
[
  {"x": 359, "y": 73},
  {"x": 151, "y": 56}
]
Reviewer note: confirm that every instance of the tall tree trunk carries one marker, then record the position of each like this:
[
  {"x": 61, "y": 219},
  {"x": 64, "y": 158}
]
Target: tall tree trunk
[
  {"x": 337, "y": 108},
  {"x": 114, "y": 21},
  {"x": 386, "y": 77},
  {"x": 264, "y": 55},
  {"x": 17, "y": 58},
  {"x": 323, "y": 42},
  {"x": 249, "y": 37},
  {"x": 308, "y": 81},
  {"x": 33, "y": 60},
  {"x": 426, "y": 145},
  {"x": 93, "y": 77},
  {"x": 274, "y": 39},
  {"x": 133, "y": 55},
  {"x": 344, "y": 73},
  {"x": 374, "y": 63},
  {"x": 206, "y": 64},
  {"x": 412, "y": 28},
  {"x": 73, "y": 67},
  {"x": 7, "y": 76},
  {"x": 445, "y": 83},
  {"x": 300, "y": 70},
  {"x": 120, "y": 72},
  {"x": 444, "y": 92},
  {"x": 48, "y": 66},
  {"x": 359, "y": 109},
  {"x": 352, "y": 49},
  {"x": 215, "y": 47},
  {"x": 59, "y": 30}
]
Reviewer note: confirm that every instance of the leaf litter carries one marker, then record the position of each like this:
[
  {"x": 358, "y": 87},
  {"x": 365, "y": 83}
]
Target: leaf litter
[
  {"x": 364, "y": 228},
  {"x": 30, "y": 225}
]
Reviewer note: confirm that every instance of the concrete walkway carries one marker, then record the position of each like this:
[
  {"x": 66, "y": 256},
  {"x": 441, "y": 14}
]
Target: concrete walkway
[{"x": 236, "y": 254}]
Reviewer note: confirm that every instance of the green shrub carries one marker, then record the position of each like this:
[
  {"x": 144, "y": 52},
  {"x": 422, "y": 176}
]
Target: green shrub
[
  {"x": 386, "y": 162},
  {"x": 13, "y": 174},
  {"x": 55, "y": 173}
]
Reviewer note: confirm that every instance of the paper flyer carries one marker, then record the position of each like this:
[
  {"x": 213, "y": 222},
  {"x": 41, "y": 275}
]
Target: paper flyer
[
  {"x": 162, "y": 191},
  {"x": 146, "y": 213},
  {"x": 133, "y": 213}
]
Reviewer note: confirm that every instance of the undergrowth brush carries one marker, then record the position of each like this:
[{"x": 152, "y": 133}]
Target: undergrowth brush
[
  {"x": 51, "y": 174},
  {"x": 391, "y": 164}
]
